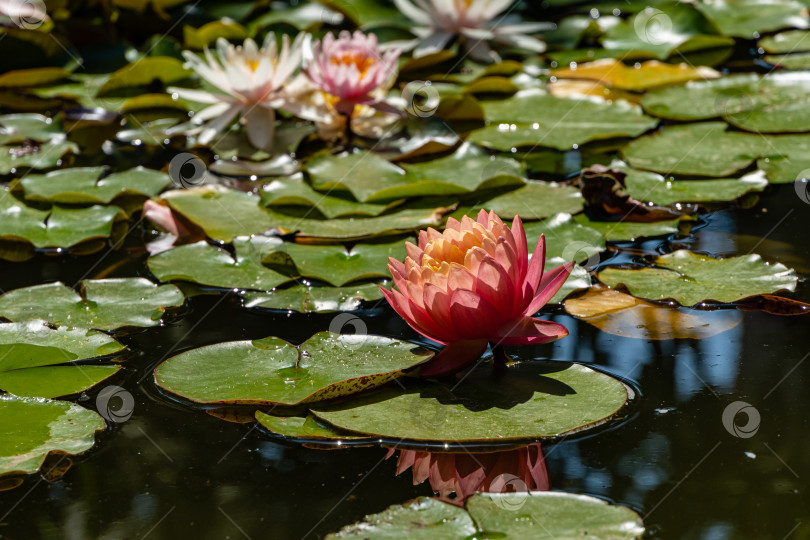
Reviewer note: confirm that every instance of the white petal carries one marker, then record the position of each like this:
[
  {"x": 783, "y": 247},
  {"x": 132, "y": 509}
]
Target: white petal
[
  {"x": 260, "y": 124},
  {"x": 216, "y": 126},
  {"x": 413, "y": 13},
  {"x": 433, "y": 43}
]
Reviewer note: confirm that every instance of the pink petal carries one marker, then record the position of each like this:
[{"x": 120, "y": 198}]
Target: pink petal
[
  {"x": 528, "y": 331},
  {"x": 536, "y": 265},
  {"x": 493, "y": 284},
  {"x": 473, "y": 317},
  {"x": 438, "y": 305},
  {"x": 521, "y": 249},
  {"x": 454, "y": 357},
  {"x": 405, "y": 308},
  {"x": 483, "y": 218},
  {"x": 552, "y": 281},
  {"x": 414, "y": 252}
]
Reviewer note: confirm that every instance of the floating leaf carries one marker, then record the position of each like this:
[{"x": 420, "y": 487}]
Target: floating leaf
[
  {"x": 315, "y": 299},
  {"x": 792, "y": 41},
  {"x": 143, "y": 72},
  {"x": 104, "y": 304},
  {"x": 690, "y": 278},
  {"x": 36, "y": 156},
  {"x": 81, "y": 185},
  {"x": 272, "y": 371},
  {"x": 26, "y": 347},
  {"x": 538, "y": 515},
  {"x": 208, "y": 265},
  {"x": 750, "y": 18},
  {"x": 561, "y": 123},
  {"x": 32, "y": 428},
  {"x": 20, "y": 78},
  {"x": 531, "y": 400},
  {"x": 789, "y": 61},
  {"x": 623, "y": 315},
  {"x": 617, "y": 231},
  {"x": 774, "y": 103},
  {"x": 370, "y": 178},
  {"x": 565, "y": 238},
  {"x": 535, "y": 200},
  {"x": 651, "y": 187},
  {"x": 304, "y": 429},
  {"x": 651, "y": 74}
]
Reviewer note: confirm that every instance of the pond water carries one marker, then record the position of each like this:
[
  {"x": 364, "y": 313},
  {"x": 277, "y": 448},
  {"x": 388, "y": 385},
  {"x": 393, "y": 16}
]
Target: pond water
[{"x": 170, "y": 471}]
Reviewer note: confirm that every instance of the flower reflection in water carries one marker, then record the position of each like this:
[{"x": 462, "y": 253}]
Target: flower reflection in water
[{"x": 464, "y": 473}]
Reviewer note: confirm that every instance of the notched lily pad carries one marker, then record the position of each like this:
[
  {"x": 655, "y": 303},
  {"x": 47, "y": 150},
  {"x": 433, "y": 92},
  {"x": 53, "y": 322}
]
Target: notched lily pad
[
  {"x": 33, "y": 428},
  {"x": 274, "y": 372},
  {"x": 690, "y": 278},
  {"x": 314, "y": 299},
  {"x": 305, "y": 429},
  {"x": 104, "y": 304}
]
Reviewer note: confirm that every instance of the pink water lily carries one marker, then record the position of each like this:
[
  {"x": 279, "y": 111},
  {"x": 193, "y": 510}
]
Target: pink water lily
[
  {"x": 472, "y": 285},
  {"x": 351, "y": 69}
]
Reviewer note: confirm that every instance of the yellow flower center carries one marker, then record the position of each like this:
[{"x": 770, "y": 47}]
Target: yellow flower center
[
  {"x": 359, "y": 60},
  {"x": 453, "y": 247}
]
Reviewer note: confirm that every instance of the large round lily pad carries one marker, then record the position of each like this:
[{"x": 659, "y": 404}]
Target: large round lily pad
[
  {"x": 272, "y": 371},
  {"x": 305, "y": 429},
  {"x": 32, "y": 428},
  {"x": 535, "y": 514},
  {"x": 104, "y": 304},
  {"x": 690, "y": 278},
  {"x": 30, "y": 354},
  {"x": 529, "y": 401},
  {"x": 315, "y": 299}
]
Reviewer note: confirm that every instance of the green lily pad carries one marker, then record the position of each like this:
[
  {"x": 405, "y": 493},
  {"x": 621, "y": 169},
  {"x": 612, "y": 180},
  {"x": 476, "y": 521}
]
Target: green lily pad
[
  {"x": 421, "y": 519},
  {"x": 775, "y": 103},
  {"x": 273, "y": 372},
  {"x": 685, "y": 150},
  {"x": 25, "y": 348},
  {"x": 104, "y": 304},
  {"x": 565, "y": 238},
  {"x": 78, "y": 229},
  {"x": 143, "y": 72},
  {"x": 81, "y": 185},
  {"x": 370, "y": 178},
  {"x": 562, "y": 123},
  {"x": 663, "y": 31},
  {"x": 315, "y": 299},
  {"x": 790, "y": 61},
  {"x": 650, "y": 74},
  {"x": 304, "y": 428},
  {"x": 690, "y": 278},
  {"x": 335, "y": 264},
  {"x": 208, "y": 265},
  {"x": 21, "y": 78},
  {"x": 530, "y": 401},
  {"x": 647, "y": 186},
  {"x": 618, "y": 231},
  {"x": 542, "y": 515},
  {"x": 552, "y": 515},
  {"x": 34, "y": 427},
  {"x": 535, "y": 200},
  {"x": 750, "y": 18},
  {"x": 36, "y": 156},
  {"x": 15, "y": 128},
  {"x": 791, "y": 41},
  {"x": 225, "y": 214}
]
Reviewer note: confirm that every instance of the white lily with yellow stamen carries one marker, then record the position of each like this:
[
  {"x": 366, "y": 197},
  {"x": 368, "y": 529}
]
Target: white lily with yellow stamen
[
  {"x": 478, "y": 21},
  {"x": 252, "y": 83}
]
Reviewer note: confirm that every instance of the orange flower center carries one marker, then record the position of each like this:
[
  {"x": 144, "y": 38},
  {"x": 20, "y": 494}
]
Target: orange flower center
[
  {"x": 359, "y": 60},
  {"x": 453, "y": 247}
]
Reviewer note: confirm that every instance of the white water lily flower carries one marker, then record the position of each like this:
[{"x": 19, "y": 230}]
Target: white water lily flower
[
  {"x": 251, "y": 79},
  {"x": 479, "y": 21}
]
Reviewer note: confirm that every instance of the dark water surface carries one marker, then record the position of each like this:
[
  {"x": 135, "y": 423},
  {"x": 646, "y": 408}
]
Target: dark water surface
[{"x": 173, "y": 472}]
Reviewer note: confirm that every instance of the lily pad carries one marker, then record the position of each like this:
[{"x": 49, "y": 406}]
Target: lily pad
[
  {"x": 791, "y": 41},
  {"x": 651, "y": 74},
  {"x": 533, "y": 514},
  {"x": 315, "y": 299},
  {"x": 370, "y": 178},
  {"x": 790, "y": 61},
  {"x": 28, "y": 352},
  {"x": 81, "y": 185},
  {"x": 535, "y": 200},
  {"x": 775, "y": 103},
  {"x": 16, "y": 128},
  {"x": 565, "y": 238},
  {"x": 651, "y": 187},
  {"x": 208, "y": 265},
  {"x": 104, "y": 304},
  {"x": 617, "y": 231},
  {"x": 271, "y": 371},
  {"x": 690, "y": 278},
  {"x": 530, "y": 401},
  {"x": 225, "y": 214},
  {"x": 561, "y": 123},
  {"x": 33, "y": 428},
  {"x": 304, "y": 428},
  {"x": 750, "y": 18},
  {"x": 143, "y": 72}
]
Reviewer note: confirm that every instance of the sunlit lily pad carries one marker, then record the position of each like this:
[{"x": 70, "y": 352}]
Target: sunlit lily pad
[
  {"x": 315, "y": 299},
  {"x": 750, "y": 18},
  {"x": 32, "y": 428},
  {"x": 624, "y": 315},
  {"x": 651, "y": 187},
  {"x": 272, "y": 371},
  {"x": 104, "y": 304},
  {"x": 370, "y": 178},
  {"x": 651, "y": 74},
  {"x": 791, "y": 41},
  {"x": 533, "y": 118},
  {"x": 775, "y": 103},
  {"x": 304, "y": 428},
  {"x": 208, "y": 265},
  {"x": 30, "y": 352},
  {"x": 538, "y": 515},
  {"x": 81, "y": 185},
  {"x": 535, "y": 200},
  {"x": 617, "y": 231},
  {"x": 690, "y": 278},
  {"x": 789, "y": 61},
  {"x": 532, "y": 400},
  {"x": 15, "y": 128},
  {"x": 143, "y": 72},
  {"x": 565, "y": 238}
]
